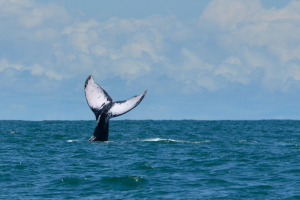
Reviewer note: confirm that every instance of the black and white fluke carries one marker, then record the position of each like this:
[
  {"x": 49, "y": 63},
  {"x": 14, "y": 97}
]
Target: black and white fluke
[{"x": 104, "y": 108}]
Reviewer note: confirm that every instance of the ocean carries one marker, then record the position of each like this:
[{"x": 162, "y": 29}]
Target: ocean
[{"x": 148, "y": 159}]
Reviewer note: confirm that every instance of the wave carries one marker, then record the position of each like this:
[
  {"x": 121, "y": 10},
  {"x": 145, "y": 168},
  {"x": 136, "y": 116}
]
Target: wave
[
  {"x": 171, "y": 140},
  {"x": 244, "y": 141}
]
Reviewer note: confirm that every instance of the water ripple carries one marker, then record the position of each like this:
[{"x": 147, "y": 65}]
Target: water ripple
[{"x": 150, "y": 160}]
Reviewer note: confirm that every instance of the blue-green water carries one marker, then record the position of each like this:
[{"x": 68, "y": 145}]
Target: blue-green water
[{"x": 151, "y": 159}]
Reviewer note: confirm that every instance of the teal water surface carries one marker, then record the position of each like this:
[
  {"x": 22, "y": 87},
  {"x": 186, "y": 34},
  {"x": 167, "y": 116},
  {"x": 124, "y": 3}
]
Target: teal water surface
[{"x": 151, "y": 159}]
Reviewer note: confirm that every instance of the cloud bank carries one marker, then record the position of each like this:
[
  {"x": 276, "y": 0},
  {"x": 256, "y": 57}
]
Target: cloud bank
[
  {"x": 252, "y": 44},
  {"x": 233, "y": 43}
]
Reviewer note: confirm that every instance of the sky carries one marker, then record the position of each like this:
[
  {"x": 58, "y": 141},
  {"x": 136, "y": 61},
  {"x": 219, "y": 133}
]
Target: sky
[{"x": 201, "y": 60}]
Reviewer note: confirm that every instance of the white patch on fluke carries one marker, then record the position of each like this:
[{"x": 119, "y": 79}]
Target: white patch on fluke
[
  {"x": 95, "y": 95},
  {"x": 122, "y": 107}
]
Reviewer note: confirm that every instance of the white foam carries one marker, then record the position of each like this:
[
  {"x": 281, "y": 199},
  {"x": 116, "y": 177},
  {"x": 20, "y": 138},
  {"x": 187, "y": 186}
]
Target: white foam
[
  {"x": 199, "y": 142},
  {"x": 72, "y": 140},
  {"x": 161, "y": 139},
  {"x": 171, "y": 140},
  {"x": 245, "y": 141},
  {"x": 154, "y": 139}
]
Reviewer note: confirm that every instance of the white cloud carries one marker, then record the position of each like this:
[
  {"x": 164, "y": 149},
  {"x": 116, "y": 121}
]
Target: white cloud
[
  {"x": 39, "y": 70},
  {"x": 227, "y": 44},
  {"x": 98, "y": 50},
  {"x": 193, "y": 71},
  {"x": 81, "y": 27},
  {"x": 34, "y": 69},
  {"x": 226, "y": 14},
  {"x": 118, "y": 47},
  {"x": 4, "y": 64},
  {"x": 29, "y": 14},
  {"x": 232, "y": 70},
  {"x": 257, "y": 37}
]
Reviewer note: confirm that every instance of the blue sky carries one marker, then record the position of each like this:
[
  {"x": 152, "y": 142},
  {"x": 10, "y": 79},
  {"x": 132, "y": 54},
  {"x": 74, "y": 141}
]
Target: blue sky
[{"x": 206, "y": 60}]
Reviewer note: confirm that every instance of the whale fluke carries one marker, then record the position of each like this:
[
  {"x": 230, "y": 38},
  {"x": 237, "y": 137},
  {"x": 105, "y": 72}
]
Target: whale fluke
[
  {"x": 121, "y": 107},
  {"x": 104, "y": 108}
]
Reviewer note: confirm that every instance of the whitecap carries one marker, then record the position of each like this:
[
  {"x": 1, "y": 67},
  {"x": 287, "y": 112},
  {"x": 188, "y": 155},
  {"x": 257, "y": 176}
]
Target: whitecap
[
  {"x": 154, "y": 139},
  {"x": 181, "y": 141},
  {"x": 171, "y": 140},
  {"x": 161, "y": 139},
  {"x": 72, "y": 140}
]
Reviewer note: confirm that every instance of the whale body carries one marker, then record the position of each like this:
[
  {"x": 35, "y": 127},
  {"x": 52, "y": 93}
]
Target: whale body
[{"x": 104, "y": 108}]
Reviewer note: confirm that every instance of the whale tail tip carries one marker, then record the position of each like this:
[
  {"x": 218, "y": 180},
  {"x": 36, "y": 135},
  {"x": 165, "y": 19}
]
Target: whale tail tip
[{"x": 87, "y": 80}]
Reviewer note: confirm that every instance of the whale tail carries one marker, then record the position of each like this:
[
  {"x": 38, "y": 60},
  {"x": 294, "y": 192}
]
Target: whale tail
[{"x": 104, "y": 108}]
